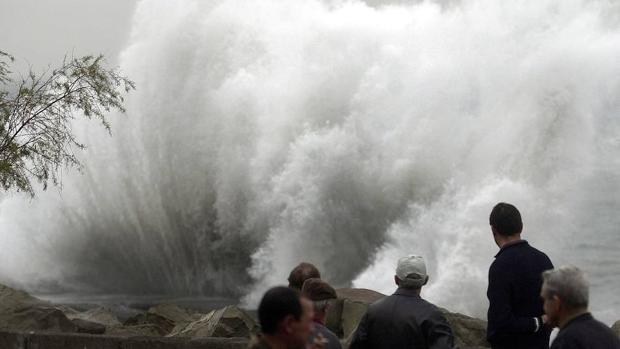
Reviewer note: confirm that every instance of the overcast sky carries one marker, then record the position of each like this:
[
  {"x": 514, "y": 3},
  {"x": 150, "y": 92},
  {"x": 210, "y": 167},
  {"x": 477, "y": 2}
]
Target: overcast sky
[{"x": 40, "y": 32}]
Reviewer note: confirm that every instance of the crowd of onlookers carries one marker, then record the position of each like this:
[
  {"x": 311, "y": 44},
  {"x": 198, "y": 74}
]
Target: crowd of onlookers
[{"x": 527, "y": 299}]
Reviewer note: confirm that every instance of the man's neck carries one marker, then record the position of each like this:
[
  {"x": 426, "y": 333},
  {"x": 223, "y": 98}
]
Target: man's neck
[
  {"x": 570, "y": 316},
  {"x": 508, "y": 240},
  {"x": 274, "y": 342}
]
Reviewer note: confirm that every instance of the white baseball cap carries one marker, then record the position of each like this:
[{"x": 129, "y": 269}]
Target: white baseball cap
[{"x": 411, "y": 271}]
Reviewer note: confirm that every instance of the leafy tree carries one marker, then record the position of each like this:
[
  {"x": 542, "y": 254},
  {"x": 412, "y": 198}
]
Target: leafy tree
[{"x": 36, "y": 112}]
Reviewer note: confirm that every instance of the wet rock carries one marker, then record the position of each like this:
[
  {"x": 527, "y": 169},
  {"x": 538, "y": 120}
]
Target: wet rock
[
  {"x": 164, "y": 318},
  {"x": 20, "y": 311},
  {"x": 227, "y": 322},
  {"x": 90, "y": 327},
  {"x": 345, "y": 313},
  {"x": 171, "y": 312},
  {"x": 101, "y": 315},
  {"x": 142, "y": 330},
  {"x": 352, "y": 313},
  {"x": 361, "y": 295},
  {"x": 468, "y": 331},
  {"x": 343, "y": 320},
  {"x": 11, "y": 298},
  {"x": 616, "y": 327}
]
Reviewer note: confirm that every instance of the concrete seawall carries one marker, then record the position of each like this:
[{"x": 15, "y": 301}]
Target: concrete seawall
[{"x": 42, "y": 340}]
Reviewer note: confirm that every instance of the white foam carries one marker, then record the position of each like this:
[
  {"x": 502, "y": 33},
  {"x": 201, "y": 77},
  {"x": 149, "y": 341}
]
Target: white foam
[{"x": 265, "y": 132}]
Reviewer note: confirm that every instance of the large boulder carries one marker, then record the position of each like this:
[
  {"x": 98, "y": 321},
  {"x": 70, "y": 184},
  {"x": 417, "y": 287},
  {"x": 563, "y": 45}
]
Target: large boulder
[
  {"x": 100, "y": 315},
  {"x": 141, "y": 330},
  {"x": 23, "y": 312},
  {"x": 162, "y": 318},
  {"x": 84, "y": 326},
  {"x": 361, "y": 295},
  {"x": 345, "y": 312},
  {"x": 616, "y": 327},
  {"x": 468, "y": 331},
  {"x": 228, "y": 322}
]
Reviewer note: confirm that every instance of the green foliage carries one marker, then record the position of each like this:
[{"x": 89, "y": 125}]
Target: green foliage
[{"x": 36, "y": 140}]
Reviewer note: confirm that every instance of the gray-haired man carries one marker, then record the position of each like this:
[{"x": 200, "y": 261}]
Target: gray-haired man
[
  {"x": 404, "y": 319},
  {"x": 565, "y": 293}
]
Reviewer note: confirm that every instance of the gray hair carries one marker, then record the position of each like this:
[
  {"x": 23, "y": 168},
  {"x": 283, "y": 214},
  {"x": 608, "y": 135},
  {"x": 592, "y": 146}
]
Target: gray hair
[{"x": 569, "y": 284}]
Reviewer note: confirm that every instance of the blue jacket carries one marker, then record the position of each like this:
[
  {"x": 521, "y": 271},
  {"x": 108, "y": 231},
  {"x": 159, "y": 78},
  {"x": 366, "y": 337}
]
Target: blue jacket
[{"x": 515, "y": 279}]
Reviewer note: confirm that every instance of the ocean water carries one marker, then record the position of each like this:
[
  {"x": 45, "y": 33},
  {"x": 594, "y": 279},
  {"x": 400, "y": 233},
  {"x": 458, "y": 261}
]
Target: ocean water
[{"x": 344, "y": 133}]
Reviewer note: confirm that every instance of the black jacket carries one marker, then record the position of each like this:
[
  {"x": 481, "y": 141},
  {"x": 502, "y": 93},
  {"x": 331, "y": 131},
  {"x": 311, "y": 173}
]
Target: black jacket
[
  {"x": 515, "y": 279},
  {"x": 403, "y": 320},
  {"x": 584, "y": 332}
]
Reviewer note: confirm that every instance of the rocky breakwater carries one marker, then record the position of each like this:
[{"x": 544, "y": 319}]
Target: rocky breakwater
[{"x": 21, "y": 312}]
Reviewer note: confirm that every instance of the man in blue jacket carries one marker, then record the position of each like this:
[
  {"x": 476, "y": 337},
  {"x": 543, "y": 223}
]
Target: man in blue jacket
[{"x": 515, "y": 278}]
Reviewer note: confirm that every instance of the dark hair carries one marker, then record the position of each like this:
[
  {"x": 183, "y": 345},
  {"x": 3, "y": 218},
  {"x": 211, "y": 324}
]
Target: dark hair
[
  {"x": 301, "y": 273},
  {"x": 277, "y": 303},
  {"x": 318, "y": 290},
  {"x": 506, "y": 219}
]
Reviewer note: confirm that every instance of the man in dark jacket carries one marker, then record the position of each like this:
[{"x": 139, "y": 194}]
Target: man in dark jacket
[
  {"x": 515, "y": 277},
  {"x": 321, "y": 294},
  {"x": 404, "y": 319},
  {"x": 565, "y": 293}
]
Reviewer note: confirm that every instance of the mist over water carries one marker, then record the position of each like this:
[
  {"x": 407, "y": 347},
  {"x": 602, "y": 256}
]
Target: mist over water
[{"x": 343, "y": 133}]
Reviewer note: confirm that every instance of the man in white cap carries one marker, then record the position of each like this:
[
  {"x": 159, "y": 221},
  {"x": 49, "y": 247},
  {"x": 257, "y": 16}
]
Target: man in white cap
[{"x": 404, "y": 319}]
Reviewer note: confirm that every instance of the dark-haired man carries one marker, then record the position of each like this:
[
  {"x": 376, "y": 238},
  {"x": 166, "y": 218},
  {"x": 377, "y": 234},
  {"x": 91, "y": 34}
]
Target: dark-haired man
[
  {"x": 515, "y": 278},
  {"x": 301, "y": 273},
  {"x": 286, "y": 321}
]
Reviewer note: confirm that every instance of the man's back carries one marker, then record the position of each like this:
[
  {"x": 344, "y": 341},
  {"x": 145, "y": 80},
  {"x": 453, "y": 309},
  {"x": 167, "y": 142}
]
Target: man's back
[
  {"x": 584, "y": 332},
  {"x": 515, "y": 279},
  {"x": 403, "y": 320}
]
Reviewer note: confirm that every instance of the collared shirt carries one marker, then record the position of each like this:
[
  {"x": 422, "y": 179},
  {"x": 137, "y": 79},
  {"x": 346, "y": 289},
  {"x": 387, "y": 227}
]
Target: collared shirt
[
  {"x": 510, "y": 244},
  {"x": 585, "y": 332}
]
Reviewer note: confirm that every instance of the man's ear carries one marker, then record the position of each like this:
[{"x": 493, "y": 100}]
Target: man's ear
[
  {"x": 287, "y": 324},
  {"x": 426, "y": 280},
  {"x": 557, "y": 301}
]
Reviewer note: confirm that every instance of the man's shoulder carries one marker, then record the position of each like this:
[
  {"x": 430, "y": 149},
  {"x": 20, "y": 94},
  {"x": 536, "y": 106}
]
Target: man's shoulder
[
  {"x": 515, "y": 254},
  {"x": 582, "y": 331},
  {"x": 389, "y": 301},
  {"x": 536, "y": 251}
]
